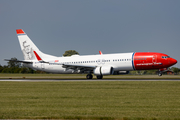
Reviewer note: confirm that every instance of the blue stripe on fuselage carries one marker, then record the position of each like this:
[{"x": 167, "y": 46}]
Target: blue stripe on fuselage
[{"x": 133, "y": 60}]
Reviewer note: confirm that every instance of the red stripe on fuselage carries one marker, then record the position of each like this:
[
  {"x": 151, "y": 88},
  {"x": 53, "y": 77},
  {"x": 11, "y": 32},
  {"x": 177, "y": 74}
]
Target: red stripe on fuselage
[{"x": 150, "y": 60}]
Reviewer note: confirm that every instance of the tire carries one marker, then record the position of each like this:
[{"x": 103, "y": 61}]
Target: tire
[
  {"x": 99, "y": 77},
  {"x": 89, "y": 76},
  {"x": 160, "y": 74}
]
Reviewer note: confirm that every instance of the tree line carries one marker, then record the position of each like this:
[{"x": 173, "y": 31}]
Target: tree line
[{"x": 16, "y": 67}]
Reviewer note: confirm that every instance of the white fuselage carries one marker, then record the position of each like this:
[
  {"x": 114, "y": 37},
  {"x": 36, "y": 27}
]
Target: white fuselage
[{"x": 119, "y": 62}]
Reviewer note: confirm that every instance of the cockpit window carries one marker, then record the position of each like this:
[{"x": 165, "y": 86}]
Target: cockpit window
[{"x": 165, "y": 57}]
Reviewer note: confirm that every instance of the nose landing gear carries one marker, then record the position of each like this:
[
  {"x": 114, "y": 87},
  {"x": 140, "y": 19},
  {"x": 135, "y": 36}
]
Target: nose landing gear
[{"x": 159, "y": 73}]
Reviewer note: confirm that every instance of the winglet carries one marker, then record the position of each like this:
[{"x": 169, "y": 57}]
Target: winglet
[
  {"x": 20, "y": 31},
  {"x": 100, "y": 53}
]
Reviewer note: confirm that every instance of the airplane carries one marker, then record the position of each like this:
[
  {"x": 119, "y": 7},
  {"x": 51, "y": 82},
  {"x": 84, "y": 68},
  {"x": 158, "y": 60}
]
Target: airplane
[{"x": 99, "y": 65}]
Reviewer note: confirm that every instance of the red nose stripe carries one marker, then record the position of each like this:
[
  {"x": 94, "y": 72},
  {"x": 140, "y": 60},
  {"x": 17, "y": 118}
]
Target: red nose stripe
[{"x": 174, "y": 61}]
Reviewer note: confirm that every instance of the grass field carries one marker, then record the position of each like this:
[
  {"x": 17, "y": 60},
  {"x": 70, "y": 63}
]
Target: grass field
[{"x": 128, "y": 100}]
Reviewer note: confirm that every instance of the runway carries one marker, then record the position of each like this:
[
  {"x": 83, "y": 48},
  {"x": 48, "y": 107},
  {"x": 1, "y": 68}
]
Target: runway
[{"x": 83, "y": 80}]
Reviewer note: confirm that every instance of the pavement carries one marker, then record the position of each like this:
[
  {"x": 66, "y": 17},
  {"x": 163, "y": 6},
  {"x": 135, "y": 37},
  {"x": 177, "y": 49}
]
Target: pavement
[{"x": 53, "y": 80}]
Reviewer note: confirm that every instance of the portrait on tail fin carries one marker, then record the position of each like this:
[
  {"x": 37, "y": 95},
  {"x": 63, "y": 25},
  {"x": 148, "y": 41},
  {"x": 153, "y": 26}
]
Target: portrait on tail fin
[{"x": 27, "y": 51}]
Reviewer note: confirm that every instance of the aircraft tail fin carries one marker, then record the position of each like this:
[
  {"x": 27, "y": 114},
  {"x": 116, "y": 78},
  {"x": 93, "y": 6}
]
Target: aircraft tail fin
[{"x": 28, "y": 47}]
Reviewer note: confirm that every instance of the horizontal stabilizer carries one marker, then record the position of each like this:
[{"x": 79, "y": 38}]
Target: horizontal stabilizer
[{"x": 21, "y": 61}]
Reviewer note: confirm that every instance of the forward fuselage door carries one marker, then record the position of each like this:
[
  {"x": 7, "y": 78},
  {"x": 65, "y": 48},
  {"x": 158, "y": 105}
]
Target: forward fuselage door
[{"x": 154, "y": 58}]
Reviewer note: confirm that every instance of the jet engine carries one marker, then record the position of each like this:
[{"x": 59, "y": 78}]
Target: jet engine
[{"x": 103, "y": 70}]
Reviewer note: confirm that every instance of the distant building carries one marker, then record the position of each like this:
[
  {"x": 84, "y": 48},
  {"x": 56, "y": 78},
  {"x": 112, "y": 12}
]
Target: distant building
[{"x": 170, "y": 72}]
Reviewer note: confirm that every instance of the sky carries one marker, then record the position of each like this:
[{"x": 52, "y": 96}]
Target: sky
[{"x": 90, "y": 26}]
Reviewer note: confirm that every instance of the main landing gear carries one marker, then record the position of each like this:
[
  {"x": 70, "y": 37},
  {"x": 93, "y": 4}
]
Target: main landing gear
[
  {"x": 90, "y": 76},
  {"x": 99, "y": 76}
]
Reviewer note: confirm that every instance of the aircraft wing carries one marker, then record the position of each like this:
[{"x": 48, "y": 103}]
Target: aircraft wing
[
  {"x": 77, "y": 66},
  {"x": 82, "y": 68},
  {"x": 21, "y": 61}
]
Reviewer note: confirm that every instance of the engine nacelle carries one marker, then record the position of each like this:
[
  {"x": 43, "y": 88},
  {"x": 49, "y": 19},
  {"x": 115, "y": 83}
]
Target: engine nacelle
[
  {"x": 120, "y": 72},
  {"x": 104, "y": 70}
]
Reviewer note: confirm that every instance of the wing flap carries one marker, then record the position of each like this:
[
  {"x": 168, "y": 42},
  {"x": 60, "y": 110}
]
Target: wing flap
[
  {"x": 75, "y": 66},
  {"x": 82, "y": 68}
]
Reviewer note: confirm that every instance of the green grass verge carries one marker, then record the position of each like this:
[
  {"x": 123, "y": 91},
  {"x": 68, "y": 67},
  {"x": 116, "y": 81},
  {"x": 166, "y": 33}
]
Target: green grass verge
[
  {"x": 83, "y": 76},
  {"x": 128, "y": 100}
]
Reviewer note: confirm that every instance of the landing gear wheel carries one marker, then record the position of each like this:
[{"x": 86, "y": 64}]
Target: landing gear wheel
[
  {"x": 99, "y": 77},
  {"x": 160, "y": 73},
  {"x": 89, "y": 76}
]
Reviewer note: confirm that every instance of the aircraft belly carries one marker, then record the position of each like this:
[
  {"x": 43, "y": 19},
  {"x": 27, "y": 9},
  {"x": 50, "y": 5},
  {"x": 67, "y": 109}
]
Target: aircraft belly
[
  {"x": 58, "y": 69},
  {"x": 123, "y": 66}
]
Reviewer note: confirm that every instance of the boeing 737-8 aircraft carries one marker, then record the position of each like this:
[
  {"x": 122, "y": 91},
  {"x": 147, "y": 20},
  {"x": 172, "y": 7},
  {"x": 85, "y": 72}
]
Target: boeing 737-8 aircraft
[{"x": 99, "y": 65}]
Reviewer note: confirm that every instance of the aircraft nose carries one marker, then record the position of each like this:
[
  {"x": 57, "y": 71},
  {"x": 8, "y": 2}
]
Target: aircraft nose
[{"x": 173, "y": 61}]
